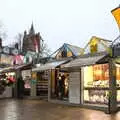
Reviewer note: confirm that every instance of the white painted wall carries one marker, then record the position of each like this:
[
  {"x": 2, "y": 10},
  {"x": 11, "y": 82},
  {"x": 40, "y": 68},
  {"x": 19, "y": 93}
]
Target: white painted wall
[{"x": 74, "y": 87}]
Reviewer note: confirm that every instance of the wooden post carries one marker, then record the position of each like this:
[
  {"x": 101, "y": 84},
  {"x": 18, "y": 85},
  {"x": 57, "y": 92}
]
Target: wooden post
[
  {"x": 112, "y": 104},
  {"x": 18, "y": 74},
  {"x": 33, "y": 84},
  {"x": 49, "y": 84}
]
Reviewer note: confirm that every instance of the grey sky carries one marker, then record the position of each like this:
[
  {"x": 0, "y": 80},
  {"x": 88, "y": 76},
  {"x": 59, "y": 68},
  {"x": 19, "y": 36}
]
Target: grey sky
[{"x": 59, "y": 21}]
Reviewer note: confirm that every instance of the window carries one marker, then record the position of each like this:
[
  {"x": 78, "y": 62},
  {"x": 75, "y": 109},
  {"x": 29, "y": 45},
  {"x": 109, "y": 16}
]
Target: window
[{"x": 96, "y": 84}]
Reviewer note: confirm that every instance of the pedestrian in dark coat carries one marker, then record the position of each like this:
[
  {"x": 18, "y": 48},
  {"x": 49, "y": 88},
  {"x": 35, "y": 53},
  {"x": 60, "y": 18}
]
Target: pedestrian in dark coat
[
  {"x": 20, "y": 87},
  {"x": 61, "y": 86}
]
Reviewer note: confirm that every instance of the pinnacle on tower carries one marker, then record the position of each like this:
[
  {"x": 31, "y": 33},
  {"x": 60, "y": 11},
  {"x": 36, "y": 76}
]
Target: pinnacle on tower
[{"x": 32, "y": 31}]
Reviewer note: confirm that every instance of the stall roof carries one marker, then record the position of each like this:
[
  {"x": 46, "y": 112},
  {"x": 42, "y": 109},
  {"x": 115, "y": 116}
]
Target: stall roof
[
  {"x": 51, "y": 65},
  {"x": 85, "y": 60},
  {"x": 23, "y": 66},
  {"x": 15, "y": 67},
  {"x": 7, "y": 69}
]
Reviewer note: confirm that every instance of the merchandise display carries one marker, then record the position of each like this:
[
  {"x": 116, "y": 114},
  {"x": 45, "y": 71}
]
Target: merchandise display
[
  {"x": 42, "y": 84},
  {"x": 96, "y": 84}
]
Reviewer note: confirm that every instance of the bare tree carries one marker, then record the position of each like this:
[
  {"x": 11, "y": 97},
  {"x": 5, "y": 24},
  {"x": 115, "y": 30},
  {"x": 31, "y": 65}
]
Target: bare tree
[
  {"x": 19, "y": 40},
  {"x": 3, "y": 34},
  {"x": 44, "y": 50}
]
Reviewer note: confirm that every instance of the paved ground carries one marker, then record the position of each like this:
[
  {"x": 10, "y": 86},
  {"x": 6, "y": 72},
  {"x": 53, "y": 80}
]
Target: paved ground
[{"x": 40, "y": 110}]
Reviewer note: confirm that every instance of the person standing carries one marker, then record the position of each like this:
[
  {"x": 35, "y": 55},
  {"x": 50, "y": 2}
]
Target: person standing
[
  {"x": 61, "y": 86},
  {"x": 20, "y": 87}
]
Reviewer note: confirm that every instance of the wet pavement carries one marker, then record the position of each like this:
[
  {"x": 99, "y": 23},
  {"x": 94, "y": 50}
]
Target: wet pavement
[{"x": 11, "y": 109}]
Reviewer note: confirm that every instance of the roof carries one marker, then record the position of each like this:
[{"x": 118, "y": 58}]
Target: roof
[
  {"x": 48, "y": 66},
  {"x": 32, "y": 31},
  {"x": 15, "y": 67},
  {"x": 7, "y": 69},
  {"x": 85, "y": 61},
  {"x": 97, "y": 44},
  {"x": 75, "y": 50},
  {"x": 23, "y": 66}
]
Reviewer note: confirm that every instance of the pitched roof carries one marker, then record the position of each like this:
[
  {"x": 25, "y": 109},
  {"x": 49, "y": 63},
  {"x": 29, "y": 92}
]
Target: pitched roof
[
  {"x": 102, "y": 44},
  {"x": 85, "y": 60},
  {"x": 75, "y": 50}
]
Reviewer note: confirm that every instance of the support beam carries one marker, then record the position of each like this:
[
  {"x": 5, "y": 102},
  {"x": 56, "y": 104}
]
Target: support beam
[{"x": 112, "y": 104}]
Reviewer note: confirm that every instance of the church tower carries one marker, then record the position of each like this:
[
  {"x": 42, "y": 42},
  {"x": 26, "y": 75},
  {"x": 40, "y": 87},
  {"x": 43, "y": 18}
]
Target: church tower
[{"x": 31, "y": 41}]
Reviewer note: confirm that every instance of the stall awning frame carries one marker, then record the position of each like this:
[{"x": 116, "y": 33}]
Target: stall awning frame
[
  {"x": 85, "y": 61},
  {"x": 49, "y": 66}
]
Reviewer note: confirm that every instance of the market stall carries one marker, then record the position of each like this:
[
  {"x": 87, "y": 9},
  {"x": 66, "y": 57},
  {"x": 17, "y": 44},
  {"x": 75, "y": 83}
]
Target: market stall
[
  {"x": 26, "y": 76},
  {"x": 47, "y": 79},
  {"x": 96, "y": 84},
  {"x": 7, "y": 81},
  {"x": 89, "y": 79}
]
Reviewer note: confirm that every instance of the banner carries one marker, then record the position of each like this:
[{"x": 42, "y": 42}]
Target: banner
[
  {"x": 116, "y": 14},
  {"x": 36, "y": 45}
]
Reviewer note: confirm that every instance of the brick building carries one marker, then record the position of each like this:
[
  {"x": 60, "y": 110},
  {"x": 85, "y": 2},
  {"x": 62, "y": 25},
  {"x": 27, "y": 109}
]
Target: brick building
[{"x": 31, "y": 41}]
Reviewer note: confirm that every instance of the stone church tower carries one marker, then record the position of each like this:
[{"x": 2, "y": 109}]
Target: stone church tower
[{"x": 31, "y": 41}]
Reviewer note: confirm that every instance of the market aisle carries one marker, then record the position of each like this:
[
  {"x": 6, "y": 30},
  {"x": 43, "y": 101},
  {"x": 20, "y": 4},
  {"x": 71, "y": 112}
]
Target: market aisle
[{"x": 40, "y": 110}]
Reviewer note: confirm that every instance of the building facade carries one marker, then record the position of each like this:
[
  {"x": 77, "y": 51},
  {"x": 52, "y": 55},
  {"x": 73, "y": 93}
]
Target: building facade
[{"x": 31, "y": 41}]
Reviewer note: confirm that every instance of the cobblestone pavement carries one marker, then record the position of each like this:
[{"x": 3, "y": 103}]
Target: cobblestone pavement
[{"x": 11, "y": 109}]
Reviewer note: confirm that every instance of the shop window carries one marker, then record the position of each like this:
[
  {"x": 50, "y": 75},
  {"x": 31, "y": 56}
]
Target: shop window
[{"x": 96, "y": 84}]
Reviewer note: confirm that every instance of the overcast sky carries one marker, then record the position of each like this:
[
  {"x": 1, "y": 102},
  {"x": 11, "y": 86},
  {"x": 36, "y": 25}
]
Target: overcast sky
[{"x": 60, "y": 21}]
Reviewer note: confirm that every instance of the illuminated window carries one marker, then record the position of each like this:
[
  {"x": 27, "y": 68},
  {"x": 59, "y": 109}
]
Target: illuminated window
[{"x": 96, "y": 84}]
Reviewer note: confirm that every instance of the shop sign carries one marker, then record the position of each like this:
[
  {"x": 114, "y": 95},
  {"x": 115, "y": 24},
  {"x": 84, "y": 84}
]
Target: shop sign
[{"x": 26, "y": 73}]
